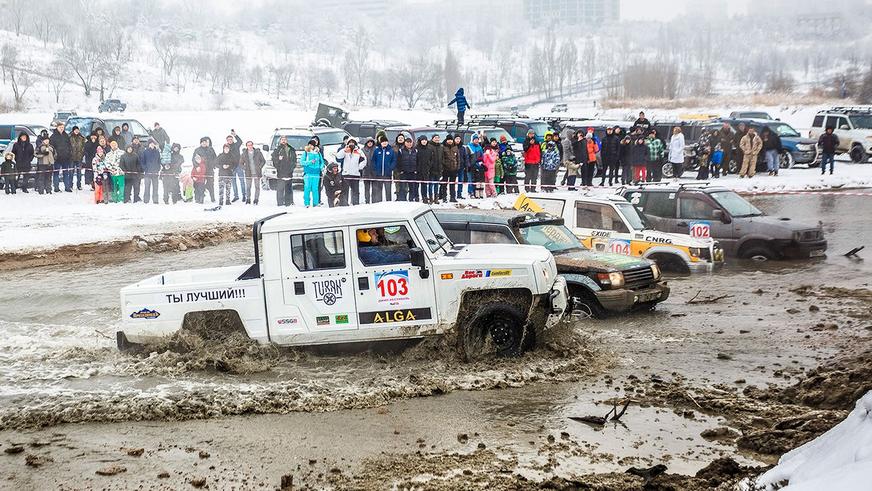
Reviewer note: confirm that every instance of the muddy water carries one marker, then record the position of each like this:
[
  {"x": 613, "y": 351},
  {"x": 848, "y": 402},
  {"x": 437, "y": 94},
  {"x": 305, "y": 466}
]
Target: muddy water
[{"x": 59, "y": 365}]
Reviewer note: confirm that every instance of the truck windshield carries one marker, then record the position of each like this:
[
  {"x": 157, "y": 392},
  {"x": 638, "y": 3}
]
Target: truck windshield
[
  {"x": 332, "y": 137},
  {"x": 432, "y": 231},
  {"x": 864, "y": 122},
  {"x": 735, "y": 205},
  {"x": 636, "y": 220},
  {"x": 555, "y": 238},
  {"x": 784, "y": 129}
]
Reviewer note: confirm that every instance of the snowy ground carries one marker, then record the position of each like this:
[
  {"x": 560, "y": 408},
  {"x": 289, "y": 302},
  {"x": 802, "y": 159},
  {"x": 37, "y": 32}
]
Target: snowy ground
[{"x": 31, "y": 222}]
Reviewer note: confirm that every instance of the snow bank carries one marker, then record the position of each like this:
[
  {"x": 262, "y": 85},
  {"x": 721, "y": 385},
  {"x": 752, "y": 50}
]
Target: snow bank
[{"x": 839, "y": 459}]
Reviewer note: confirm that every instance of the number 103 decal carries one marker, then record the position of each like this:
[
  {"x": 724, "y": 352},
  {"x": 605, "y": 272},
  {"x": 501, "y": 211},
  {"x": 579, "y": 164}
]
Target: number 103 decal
[{"x": 393, "y": 287}]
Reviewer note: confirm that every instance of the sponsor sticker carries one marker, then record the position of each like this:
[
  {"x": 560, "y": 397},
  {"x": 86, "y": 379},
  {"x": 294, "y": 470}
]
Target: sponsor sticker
[
  {"x": 400, "y": 315},
  {"x": 700, "y": 229},
  {"x": 393, "y": 287},
  {"x": 328, "y": 291},
  {"x": 447, "y": 276},
  {"x": 601, "y": 233},
  {"x": 322, "y": 320},
  {"x": 145, "y": 314},
  {"x": 499, "y": 273},
  {"x": 618, "y": 246},
  {"x": 658, "y": 240},
  {"x": 342, "y": 319},
  {"x": 287, "y": 320},
  {"x": 472, "y": 274}
]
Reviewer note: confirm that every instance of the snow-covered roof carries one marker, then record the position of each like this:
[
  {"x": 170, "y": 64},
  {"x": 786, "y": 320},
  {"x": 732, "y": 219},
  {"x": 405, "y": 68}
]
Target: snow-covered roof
[
  {"x": 344, "y": 216},
  {"x": 570, "y": 196}
]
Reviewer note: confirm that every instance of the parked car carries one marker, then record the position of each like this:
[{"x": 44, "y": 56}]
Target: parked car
[
  {"x": 743, "y": 231},
  {"x": 853, "y": 126},
  {"x": 7, "y": 133},
  {"x": 32, "y": 130},
  {"x": 298, "y": 138},
  {"x": 751, "y": 115},
  {"x": 112, "y": 105},
  {"x": 369, "y": 129},
  {"x": 62, "y": 115},
  {"x": 88, "y": 124},
  {"x": 798, "y": 151},
  {"x": 416, "y": 132},
  {"x": 371, "y": 273},
  {"x": 515, "y": 126},
  {"x": 610, "y": 224},
  {"x": 559, "y": 108},
  {"x": 599, "y": 283},
  {"x": 330, "y": 116}
]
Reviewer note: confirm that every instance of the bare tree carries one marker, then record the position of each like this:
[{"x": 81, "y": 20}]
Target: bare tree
[
  {"x": 865, "y": 91},
  {"x": 20, "y": 79},
  {"x": 58, "y": 75},
  {"x": 413, "y": 80},
  {"x": 356, "y": 61},
  {"x": 18, "y": 10},
  {"x": 44, "y": 23},
  {"x": 167, "y": 45},
  {"x": 84, "y": 59}
]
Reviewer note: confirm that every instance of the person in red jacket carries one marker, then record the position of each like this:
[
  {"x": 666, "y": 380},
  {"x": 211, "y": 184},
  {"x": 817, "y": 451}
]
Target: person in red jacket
[
  {"x": 198, "y": 175},
  {"x": 532, "y": 158}
]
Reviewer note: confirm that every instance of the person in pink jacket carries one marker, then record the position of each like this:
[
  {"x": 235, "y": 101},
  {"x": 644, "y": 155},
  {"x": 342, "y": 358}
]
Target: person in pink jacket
[{"x": 489, "y": 159}]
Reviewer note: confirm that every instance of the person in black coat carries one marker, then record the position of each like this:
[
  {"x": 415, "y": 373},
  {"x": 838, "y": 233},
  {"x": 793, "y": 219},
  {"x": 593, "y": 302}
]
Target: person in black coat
[
  {"x": 60, "y": 141},
  {"x": 611, "y": 150},
  {"x": 284, "y": 159},
  {"x": 424, "y": 164},
  {"x": 90, "y": 150},
  {"x": 131, "y": 167},
  {"x": 333, "y": 182},
  {"x": 407, "y": 164},
  {"x": 22, "y": 149},
  {"x": 207, "y": 154}
]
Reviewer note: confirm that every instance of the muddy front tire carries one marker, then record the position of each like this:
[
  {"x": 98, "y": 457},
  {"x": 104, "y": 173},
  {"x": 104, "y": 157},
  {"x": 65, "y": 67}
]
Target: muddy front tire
[{"x": 497, "y": 329}]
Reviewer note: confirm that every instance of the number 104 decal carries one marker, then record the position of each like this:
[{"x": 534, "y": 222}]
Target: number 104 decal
[{"x": 393, "y": 287}]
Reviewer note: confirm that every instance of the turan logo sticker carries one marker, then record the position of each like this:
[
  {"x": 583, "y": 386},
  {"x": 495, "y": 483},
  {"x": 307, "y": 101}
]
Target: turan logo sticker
[
  {"x": 145, "y": 314},
  {"x": 328, "y": 291},
  {"x": 400, "y": 315}
]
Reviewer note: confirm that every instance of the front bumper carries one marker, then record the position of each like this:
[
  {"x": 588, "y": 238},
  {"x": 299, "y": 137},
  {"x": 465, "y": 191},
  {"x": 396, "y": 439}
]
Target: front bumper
[
  {"x": 805, "y": 250},
  {"x": 804, "y": 157},
  {"x": 623, "y": 300}
]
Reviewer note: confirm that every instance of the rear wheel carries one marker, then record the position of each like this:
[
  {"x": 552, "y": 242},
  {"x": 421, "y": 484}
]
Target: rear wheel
[
  {"x": 498, "y": 329},
  {"x": 733, "y": 167},
  {"x": 858, "y": 155},
  {"x": 583, "y": 302},
  {"x": 670, "y": 263}
]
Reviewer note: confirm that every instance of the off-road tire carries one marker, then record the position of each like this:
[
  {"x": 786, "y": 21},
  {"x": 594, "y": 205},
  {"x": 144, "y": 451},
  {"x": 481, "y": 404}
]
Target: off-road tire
[
  {"x": 670, "y": 263},
  {"x": 497, "y": 329},
  {"x": 759, "y": 253},
  {"x": 858, "y": 155},
  {"x": 587, "y": 302}
]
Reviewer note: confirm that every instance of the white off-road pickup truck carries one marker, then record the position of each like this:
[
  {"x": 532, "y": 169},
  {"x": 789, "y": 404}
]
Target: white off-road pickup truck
[{"x": 360, "y": 274}]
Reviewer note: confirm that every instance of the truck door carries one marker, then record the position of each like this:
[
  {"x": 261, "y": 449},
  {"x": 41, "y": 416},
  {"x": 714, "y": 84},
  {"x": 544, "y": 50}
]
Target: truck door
[
  {"x": 697, "y": 219},
  {"x": 389, "y": 291},
  {"x": 316, "y": 284},
  {"x": 661, "y": 208},
  {"x": 602, "y": 228}
]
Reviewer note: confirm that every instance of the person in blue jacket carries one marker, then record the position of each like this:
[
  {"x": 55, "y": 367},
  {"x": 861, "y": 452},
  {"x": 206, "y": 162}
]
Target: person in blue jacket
[
  {"x": 313, "y": 166},
  {"x": 475, "y": 153},
  {"x": 150, "y": 163},
  {"x": 384, "y": 161},
  {"x": 462, "y": 105}
]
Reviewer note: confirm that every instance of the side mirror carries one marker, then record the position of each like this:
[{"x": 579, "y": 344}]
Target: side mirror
[
  {"x": 265, "y": 148},
  {"x": 418, "y": 261},
  {"x": 720, "y": 215}
]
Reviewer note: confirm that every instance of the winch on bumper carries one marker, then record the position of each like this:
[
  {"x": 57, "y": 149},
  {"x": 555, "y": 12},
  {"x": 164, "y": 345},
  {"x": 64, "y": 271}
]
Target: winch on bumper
[{"x": 557, "y": 302}]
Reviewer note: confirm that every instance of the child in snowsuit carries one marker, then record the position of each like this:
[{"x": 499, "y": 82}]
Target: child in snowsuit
[
  {"x": 550, "y": 166},
  {"x": 7, "y": 173},
  {"x": 510, "y": 170},
  {"x": 333, "y": 183},
  {"x": 489, "y": 162},
  {"x": 313, "y": 166}
]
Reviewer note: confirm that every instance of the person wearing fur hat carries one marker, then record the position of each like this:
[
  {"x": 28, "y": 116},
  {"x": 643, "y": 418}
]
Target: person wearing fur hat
[{"x": 45, "y": 159}]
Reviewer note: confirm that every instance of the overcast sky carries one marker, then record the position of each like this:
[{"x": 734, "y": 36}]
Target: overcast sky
[{"x": 667, "y": 9}]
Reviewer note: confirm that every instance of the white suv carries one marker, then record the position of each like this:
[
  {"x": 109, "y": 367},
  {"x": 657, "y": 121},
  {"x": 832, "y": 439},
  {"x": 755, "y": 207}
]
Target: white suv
[
  {"x": 298, "y": 138},
  {"x": 853, "y": 126}
]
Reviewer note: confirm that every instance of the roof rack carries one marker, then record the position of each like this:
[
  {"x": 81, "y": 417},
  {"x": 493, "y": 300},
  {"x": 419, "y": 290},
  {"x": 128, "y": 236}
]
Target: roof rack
[
  {"x": 497, "y": 116},
  {"x": 681, "y": 185},
  {"x": 852, "y": 109}
]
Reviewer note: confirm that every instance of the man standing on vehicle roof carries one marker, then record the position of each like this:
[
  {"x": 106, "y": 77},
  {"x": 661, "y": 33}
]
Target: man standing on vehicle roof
[
  {"x": 160, "y": 136},
  {"x": 828, "y": 143},
  {"x": 462, "y": 105},
  {"x": 284, "y": 159},
  {"x": 60, "y": 141},
  {"x": 532, "y": 158}
]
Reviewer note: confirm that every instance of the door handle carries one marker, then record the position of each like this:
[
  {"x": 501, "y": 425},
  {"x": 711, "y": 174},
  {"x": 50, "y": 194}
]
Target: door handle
[
  {"x": 363, "y": 283},
  {"x": 681, "y": 224}
]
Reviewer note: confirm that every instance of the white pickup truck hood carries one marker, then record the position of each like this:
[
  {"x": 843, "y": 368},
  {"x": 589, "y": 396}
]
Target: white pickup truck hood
[{"x": 521, "y": 254}]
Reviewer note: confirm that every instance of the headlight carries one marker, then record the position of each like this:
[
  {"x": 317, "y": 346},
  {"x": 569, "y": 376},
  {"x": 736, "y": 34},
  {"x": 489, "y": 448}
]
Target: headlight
[
  {"x": 614, "y": 280},
  {"x": 695, "y": 251},
  {"x": 803, "y": 147},
  {"x": 869, "y": 137},
  {"x": 655, "y": 270}
]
